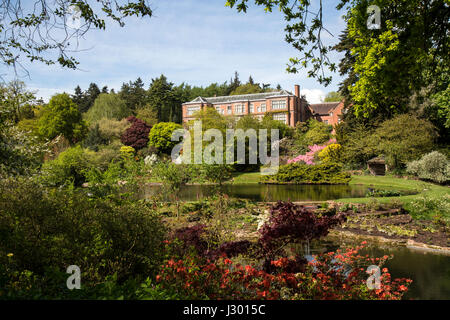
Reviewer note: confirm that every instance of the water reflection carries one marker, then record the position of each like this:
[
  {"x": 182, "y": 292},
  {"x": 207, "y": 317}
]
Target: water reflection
[{"x": 262, "y": 192}]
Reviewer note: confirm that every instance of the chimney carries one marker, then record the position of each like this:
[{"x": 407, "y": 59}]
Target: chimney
[{"x": 297, "y": 90}]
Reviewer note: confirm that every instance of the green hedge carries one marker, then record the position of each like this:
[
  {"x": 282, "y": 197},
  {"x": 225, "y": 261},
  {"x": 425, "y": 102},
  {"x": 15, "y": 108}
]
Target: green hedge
[{"x": 300, "y": 173}]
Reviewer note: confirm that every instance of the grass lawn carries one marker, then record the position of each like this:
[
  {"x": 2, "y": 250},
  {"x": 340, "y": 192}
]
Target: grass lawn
[
  {"x": 245, "y": 177},
  {"x": 429, "y": 199}
]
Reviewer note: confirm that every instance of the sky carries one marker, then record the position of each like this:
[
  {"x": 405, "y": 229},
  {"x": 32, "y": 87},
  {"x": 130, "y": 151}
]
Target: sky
[{"x": 193, "y": 41}]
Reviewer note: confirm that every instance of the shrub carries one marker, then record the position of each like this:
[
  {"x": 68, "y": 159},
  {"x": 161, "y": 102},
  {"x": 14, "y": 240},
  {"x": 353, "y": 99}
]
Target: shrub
[
  {"x": 148, "y": 114},
  {"x": 68, "y": 168},
  {"x": 427, "y": 207},
  {"x": 403, "y": 139},
  {"x": 94, "y": 138},
  {"x": 127, "y": 152},
  {"x": 113, "y": 129},
  {"x": 290, "y": 223},
  {"x": 269, "y": 123},
  {"x": 318, "y": 132},
  {"x": 20, "y": 153},
  {"x": 332, "y": 275},
  {"x": 160, "y": 136},
  {"x": 300, "y": 173},
  {"x": 46, "y": 230},
  {"x": 383, "y": 193},
  {"x": 433, "y": 166},
  {"x": 216, "y": 173},
  {"x": 192, "y": 238},
  {"x": 104, "y": 156},
  {"x": 358, "y": 146},
  {"x": 172, "y": 175},
  {"x": 331, "y": 153},
  {"x": 136, "y": 136},
  {"x": 309, "y": 156}
]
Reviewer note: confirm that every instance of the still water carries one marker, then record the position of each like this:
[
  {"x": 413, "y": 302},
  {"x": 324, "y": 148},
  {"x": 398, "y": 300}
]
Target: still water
[
  {"x": 264, "y": 192},
  {"x": 430, "y": 272}
]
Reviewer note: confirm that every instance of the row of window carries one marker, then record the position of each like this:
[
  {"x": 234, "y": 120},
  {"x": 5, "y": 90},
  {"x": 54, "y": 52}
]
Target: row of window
[
  {"x": 240, "y": 108},
  {"x": 276, "y": 116}
]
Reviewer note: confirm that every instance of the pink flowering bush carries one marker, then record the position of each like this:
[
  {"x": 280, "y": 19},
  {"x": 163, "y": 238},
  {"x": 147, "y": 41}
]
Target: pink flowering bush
[{"x": 308, "y": 157}]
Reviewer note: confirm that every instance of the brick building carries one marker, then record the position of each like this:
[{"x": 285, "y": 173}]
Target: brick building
[
  {"x": 328, "y": 112},
  {"x": 283, "y": 105}
]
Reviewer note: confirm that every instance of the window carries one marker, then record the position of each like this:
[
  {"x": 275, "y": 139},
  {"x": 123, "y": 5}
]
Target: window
[
  {"x": 229, "y": 108},
  {"x": 219, "y": 110},
  {"x": 279, "y": 104},
  {"x": 238, "y": 108},
  {"x": 280, "y": 117},
  {"x": 252, "y": 108},
  {"x": 325, "y": 121},
  {"x": 191, "y": 110},
  {"x": 331, "y": 114},
  {"x": 262, "y": 107}
]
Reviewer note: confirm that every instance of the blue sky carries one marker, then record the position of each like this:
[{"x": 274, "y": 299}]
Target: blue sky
[{"x": 192, "y": 41}]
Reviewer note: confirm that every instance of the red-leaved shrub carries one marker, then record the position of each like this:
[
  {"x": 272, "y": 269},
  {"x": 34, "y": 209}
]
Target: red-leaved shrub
[{"x": 136, "y": 136}]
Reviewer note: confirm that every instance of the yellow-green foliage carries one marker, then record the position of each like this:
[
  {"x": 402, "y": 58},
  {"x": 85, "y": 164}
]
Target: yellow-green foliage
[
  {"x": 331, "y": 153},
  {"x": 113, "y": 129},
  {"x": 127, "y": 151},
  {"x": 299, "y": 173}
]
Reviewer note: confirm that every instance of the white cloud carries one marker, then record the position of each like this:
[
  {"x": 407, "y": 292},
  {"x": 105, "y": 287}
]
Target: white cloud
[
  {"x": 47, "y": 93},
  {"x": 313, "y": 95}
]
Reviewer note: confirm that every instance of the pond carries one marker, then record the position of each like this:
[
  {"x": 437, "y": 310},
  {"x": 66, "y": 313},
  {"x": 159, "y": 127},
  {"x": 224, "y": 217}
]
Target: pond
[
  {"x": 430, "y": 272},
  {"x": 264, "y": 192}
]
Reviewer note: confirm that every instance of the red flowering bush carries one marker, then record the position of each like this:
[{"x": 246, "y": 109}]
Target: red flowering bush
[
  {"x": 209, "y": 273},
  {"x": 333, "y": 275},
  {"x": 136, "y": 136},
  {"x": 342, "y": 275}
]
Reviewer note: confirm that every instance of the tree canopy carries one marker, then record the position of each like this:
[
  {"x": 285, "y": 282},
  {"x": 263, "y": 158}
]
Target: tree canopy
[
  {"x": 108, "y": 105},
  {"x": 61, "y": 117},
  {"x": 48, "y": 31}
]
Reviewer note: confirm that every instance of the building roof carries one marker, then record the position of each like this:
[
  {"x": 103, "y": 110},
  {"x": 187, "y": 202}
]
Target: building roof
[
  {"x": 324, "y": 107},
  {"x": 241, "y": 97}
]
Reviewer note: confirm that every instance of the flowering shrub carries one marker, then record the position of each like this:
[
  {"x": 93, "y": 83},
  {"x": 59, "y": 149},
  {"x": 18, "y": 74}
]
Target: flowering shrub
[
  {"x": 150, "y": 159},
  {"x": 308, "y": 157},
  {"x": 136, "y": 136},
  {"x": 333, "y": 275},
  {"x": 207, "y": 273}
]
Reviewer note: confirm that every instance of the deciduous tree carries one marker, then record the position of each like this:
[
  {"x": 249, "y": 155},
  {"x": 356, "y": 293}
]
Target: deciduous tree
[{"x": 62, "y": 117}]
